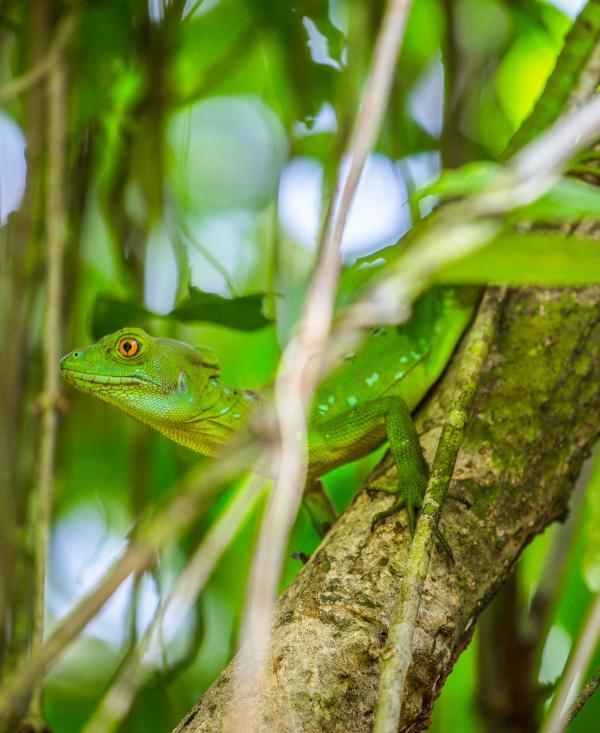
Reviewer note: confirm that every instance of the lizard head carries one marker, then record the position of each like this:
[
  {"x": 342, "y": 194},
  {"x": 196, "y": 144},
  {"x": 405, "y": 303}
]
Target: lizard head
[{"x": 158, "y": 381}]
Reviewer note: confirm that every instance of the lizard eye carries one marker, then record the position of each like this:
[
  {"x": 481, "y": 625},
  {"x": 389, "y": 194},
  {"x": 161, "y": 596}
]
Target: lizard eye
[{"x": 128, "y": 347}]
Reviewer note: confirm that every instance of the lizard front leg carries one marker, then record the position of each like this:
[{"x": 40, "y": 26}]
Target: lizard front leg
[
  {"x": 358, "y": 431},
  {"x": 408, "y": 458}
]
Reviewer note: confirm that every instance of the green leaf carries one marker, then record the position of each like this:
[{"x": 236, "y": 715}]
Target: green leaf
[
  {"x": 111, "y": 314},
  {"x": 590, "y": 565},
  {"x": 244, "y": 313},
  {"x": 364, "y": 270},
  {"x": 528, "y": 258},
  {"x": 469, "y": 179},
  {"x": 568, "y": 200}
]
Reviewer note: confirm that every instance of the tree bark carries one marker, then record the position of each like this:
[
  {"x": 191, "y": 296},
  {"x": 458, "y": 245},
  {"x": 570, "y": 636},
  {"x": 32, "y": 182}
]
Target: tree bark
[{"x": 535, "y": 419}]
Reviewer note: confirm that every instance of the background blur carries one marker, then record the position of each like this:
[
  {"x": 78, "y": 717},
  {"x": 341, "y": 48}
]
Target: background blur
[{"x": 202, "y": 140}]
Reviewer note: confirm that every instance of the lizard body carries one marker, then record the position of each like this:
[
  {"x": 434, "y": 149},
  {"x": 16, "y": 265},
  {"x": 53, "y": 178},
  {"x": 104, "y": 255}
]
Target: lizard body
[{"x": 175, "y": 389}]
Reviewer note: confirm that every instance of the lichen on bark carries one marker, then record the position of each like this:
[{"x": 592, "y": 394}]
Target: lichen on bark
[{"x": 535, "y": 417}]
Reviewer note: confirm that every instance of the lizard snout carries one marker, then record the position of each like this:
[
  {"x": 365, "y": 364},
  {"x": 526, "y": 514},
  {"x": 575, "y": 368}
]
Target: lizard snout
[{"x": 70, "y": 358}]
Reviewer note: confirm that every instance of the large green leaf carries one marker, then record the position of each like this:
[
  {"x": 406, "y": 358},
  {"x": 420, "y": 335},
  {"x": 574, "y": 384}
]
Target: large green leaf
[
  {"x": 243, "y": 313},
  {"x": 528, "y": 258},
  {"x": 110, "y": 314},
  {"x": 568, "y": 200},
  {"x": 470, "y": 178}
]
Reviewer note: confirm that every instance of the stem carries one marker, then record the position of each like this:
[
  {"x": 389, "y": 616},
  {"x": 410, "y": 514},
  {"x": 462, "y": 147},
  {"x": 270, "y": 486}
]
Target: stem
[
  {"x": 397, "y": 653},
  {"x": 301, "y": 367},
  {"x": 117, "y": 701},
  {"x": 585, "y": 695},
  {"x": 164, "y": 524},
  {"x": 573, "y": 81},
  {"x": 557, "y": 718},
  {"x": 20, "y": 254},
  {"x": 56, "y": 232},
  {"x": 43, "y": 68},
  {"x": 465, "y": 226}
]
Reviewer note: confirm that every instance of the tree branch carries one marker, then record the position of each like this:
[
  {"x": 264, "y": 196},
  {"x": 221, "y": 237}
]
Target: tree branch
[
  {"x": 301, "y": 366},
  {"x": 534, "y": 421},
  {"x": 397, "y": 653},
  {"x": 135, "y": 669}
]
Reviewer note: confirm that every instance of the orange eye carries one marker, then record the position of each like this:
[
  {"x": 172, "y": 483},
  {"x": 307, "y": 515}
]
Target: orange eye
[{"x": 128, "y": 347}]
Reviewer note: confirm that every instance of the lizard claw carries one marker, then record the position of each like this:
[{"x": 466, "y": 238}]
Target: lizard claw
[
  {"x": 409, "y": 499},
  {"x": 380, "y": 516}
]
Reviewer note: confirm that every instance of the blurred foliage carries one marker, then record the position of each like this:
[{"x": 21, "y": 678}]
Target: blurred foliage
[
  {"x": 591, "y": 557},
  {"x": 244, "y": 313},
  {"x": 183, "y": 122}
]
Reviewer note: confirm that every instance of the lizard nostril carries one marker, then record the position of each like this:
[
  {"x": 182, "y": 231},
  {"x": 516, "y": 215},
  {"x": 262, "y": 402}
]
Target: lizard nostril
[{"x": 72, "y": 355}]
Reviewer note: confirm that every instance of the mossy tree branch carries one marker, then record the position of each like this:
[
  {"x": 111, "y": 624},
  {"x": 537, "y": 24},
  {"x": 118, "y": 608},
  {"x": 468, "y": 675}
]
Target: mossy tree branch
[
  {"x": 396, "y": 655},
  {"x": 534, "y": 420}
]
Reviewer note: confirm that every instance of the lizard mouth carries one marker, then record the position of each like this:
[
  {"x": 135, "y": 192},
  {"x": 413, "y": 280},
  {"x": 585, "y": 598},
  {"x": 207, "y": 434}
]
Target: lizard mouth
[{"x": 77, "y": 376}]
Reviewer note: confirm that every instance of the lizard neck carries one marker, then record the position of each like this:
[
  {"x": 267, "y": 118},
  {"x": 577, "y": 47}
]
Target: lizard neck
[{"x": 222, "y": 411}]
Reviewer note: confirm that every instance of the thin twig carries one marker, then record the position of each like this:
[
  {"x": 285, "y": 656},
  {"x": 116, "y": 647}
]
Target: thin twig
[
  {"x": 189, "y": 235},
  {"x": 222, "y": 68},
  {"x": 301, "y": 367},
  {"x": 557, "y": 718},
  {"x": 56, "y": 220},
  {"x": 43, "y": 68},
  {"x": 583, "y": 697},
  {"x": 556, "y": 564},
  {"x": 465, "y": 226},
  {"x": 118, "y": 699},
  {"x": 193, "y": 9},
  {"x": 397, "y": 653},
  {"x": 190, "y": 497}
]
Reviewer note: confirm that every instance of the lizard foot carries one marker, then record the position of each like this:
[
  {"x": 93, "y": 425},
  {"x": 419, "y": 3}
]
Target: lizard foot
[{"x": 412, "y": 500}]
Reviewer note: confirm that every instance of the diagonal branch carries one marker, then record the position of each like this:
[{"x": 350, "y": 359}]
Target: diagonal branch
[
  {"x": 44, "y": 67},
  {"x": 190, "y": 499},
  {"x": 396, "y": 656},
  {"x": 559, "y": 715},
  {"x": 118, "y": 699},
  {"x": 301, "y": 363},
  {"x": 533, "y": 422},
  {"x": 585, "y": 695}
]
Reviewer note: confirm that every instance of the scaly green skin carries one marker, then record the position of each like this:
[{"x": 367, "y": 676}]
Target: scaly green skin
[{"x": 175, "y": 389}]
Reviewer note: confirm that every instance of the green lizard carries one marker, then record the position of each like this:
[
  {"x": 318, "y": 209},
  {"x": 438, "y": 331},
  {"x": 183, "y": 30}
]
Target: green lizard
[{"x": 175, "y": 389}]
